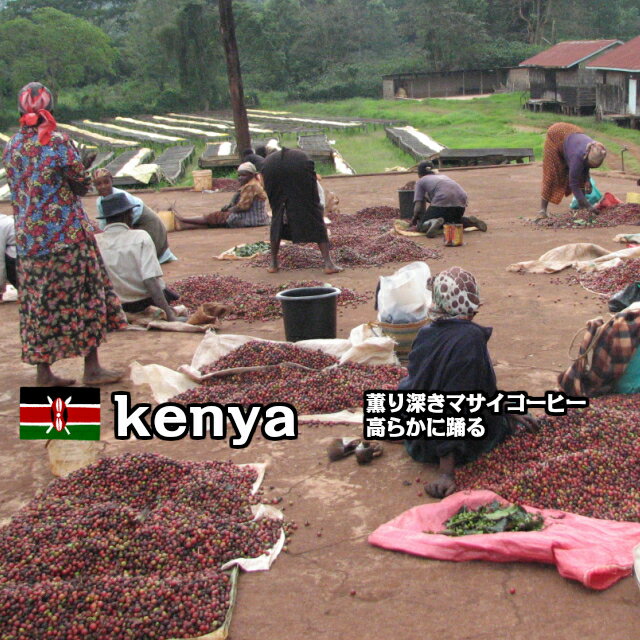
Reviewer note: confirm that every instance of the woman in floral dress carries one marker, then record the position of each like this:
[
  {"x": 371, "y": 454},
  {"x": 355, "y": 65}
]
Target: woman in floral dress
[{"x": 67, "y": 303}]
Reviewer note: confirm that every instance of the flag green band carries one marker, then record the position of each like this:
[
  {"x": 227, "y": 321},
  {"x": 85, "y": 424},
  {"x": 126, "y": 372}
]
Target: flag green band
[{"x": 77, "y": 432}]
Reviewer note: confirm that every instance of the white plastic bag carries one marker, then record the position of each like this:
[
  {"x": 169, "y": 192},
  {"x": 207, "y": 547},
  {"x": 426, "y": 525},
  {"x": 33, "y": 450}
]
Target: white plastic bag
[{"x": 403, "y": 297}]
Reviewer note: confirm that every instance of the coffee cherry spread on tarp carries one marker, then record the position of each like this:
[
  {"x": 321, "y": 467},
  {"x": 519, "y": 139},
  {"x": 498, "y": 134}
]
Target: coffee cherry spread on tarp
[
  {"x": 619, "y": 214},
  {"x": 363, "y": 239},
  {"x": 249, "y": 301},
  {"x": 129, "y": 548},
  {"x": 587, "y": 462},
  {"x": 610, "y": 281},
  {"x": 326, "y": 389}
]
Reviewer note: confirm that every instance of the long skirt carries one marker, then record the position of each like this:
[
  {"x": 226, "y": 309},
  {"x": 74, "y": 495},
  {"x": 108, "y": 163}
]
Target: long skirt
[
  {"x": 555, "y": 171},
  {"x": 67, "y": 303}
]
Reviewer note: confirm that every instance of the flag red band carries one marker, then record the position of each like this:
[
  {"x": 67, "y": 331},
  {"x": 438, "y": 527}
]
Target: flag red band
[{"x": 42, "y": 415}]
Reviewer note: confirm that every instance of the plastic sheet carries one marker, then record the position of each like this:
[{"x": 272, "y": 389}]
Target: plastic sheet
[
  {"x": 362, "y": 346},
  {"x": 261, "y": 563},
  {"x": 584, "y": 257},
  {"x": 596, "y": 553},
  {"x": 403, "y": 297}
]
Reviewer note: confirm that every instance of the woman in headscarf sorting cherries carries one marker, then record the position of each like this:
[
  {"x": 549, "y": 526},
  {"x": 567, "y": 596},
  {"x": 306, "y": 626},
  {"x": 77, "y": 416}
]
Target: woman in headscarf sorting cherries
[
  {"x": 67, "y": 303},
  {"x": 568, "y": 155},
  {"x": 450, "y": 355}
]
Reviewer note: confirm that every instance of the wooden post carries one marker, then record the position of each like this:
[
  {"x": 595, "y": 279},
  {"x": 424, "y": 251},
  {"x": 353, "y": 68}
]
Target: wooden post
[{"x": 236, "y": 91}]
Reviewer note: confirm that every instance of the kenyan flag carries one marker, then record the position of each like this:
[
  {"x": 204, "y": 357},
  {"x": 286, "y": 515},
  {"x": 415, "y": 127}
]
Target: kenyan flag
[{"x": 59, "y": 413}]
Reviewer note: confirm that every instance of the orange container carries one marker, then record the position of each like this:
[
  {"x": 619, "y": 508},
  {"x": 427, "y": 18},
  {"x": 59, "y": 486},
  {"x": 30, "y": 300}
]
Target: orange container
[{"x": 453, "y": 235}]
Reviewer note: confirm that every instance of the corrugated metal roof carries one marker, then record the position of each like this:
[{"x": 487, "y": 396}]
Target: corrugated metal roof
[
  {"x": 567, "y": 54},
  {"x": 624, "y": 58}
]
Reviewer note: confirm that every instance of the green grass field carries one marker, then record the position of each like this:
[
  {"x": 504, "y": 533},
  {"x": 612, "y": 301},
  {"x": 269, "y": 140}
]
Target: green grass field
[{"x": 497, "y": 121}]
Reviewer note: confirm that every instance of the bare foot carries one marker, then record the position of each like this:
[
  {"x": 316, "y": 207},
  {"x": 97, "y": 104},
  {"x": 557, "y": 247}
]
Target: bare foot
[
  {"x": 443, "y": 486},
  {"x": 332, "y": 269},
  {"x": 541, "y": 215},
  {"x": 101, "y": 376},
  {"x": 273, "y": 269},
  {"x": 51, "y": 380}
]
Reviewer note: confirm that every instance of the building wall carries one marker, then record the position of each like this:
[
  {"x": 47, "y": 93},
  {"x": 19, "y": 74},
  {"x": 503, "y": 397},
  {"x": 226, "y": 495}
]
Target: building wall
[
  {"x": 387, "y": 89},
  {"x": 540, "y": 86},
  {"x": 611, "y": 91},
  {"x": 518, "y": 80},
  {"x": 451, "y": 83},
  {"x": 573, "y": 88},
  {"x": 576, "y": 77}
]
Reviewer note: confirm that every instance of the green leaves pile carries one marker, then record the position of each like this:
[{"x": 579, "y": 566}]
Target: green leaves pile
[
  {"x": 492, "y": 518},
  {"x": 247, "y": 250}
]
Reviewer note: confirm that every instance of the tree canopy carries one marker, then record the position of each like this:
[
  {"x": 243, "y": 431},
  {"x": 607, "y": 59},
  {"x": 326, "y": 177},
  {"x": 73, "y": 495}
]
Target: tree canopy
[
  {"x": 55, "y": 48},
  {"x": 170, "y": 50}
]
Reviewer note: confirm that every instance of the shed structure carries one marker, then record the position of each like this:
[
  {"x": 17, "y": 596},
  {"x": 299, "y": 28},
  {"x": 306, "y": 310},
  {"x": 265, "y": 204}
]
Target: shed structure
[
  {"x": 560, "y": 80},
  {"x": 617, "y": 79},
  {"x": 442, "y": 84}
]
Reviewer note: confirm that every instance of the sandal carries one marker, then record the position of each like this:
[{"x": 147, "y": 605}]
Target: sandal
[
  {"x": 367, "y": 451},
  {"x": 341, "y": 448}
]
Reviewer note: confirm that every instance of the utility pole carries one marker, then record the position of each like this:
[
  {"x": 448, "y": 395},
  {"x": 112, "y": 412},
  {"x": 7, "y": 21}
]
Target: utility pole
[{"x": 228, "y": 32}]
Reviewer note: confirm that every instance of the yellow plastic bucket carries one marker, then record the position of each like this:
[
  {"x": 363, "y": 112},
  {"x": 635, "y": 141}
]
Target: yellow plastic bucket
[
  {"x": 633, "y": 198},
  {"x": 168, "y": 220},
  {"x": 202, "y": 179},
  {"x": 402, "y": 334},
  {"x": 453, "y": 234}
]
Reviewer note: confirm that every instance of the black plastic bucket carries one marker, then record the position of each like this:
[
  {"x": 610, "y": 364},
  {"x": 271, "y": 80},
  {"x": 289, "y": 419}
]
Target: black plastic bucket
[
  {"x": 405, "y": 198},
  {"x": 309, "y": 312}
]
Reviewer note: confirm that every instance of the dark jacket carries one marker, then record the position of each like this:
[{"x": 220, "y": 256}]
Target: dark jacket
[
  {"x": 292, "y": 188},
  {"x": 451, "y": 356}
]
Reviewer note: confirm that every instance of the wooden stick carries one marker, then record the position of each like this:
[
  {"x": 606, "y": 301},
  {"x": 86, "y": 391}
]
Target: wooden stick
[{"x": 223, "y": 373}]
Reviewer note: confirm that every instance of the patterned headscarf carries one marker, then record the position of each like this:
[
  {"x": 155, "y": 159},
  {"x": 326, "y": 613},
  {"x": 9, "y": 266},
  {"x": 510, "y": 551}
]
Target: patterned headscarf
[
  {"x": 101, "y": 173},
  {"x": 455, "y": 294},
  {"x": 596, "y": 153},
  {"x": 247, "y": 167},
  {"x": 35, "y": 101}
]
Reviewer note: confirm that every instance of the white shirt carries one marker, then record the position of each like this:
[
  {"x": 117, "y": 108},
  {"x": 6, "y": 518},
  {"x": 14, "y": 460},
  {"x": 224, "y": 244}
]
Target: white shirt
[
  {"x": 321, "y": 195},
  {"x": 130, "y": 258},
  {"x": 7, "y": 245}
]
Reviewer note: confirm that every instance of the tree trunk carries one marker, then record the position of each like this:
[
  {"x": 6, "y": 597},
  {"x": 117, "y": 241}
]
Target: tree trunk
[{"x": 236, "y": 91}]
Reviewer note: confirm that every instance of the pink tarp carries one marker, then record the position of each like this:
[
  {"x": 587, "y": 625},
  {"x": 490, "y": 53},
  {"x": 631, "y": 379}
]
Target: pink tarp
[{"x": 597, "y": 553}]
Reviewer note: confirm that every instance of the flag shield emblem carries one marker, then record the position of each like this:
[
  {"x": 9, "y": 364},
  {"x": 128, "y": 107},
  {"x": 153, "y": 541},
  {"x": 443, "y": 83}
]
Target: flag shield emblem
[{"x": 59, "y": 413}]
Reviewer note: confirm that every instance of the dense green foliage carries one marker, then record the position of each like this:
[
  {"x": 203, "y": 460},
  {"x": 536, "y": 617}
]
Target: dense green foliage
[
  {"x": 169, "y": 53},
  {"x": 45, "y": 46}
]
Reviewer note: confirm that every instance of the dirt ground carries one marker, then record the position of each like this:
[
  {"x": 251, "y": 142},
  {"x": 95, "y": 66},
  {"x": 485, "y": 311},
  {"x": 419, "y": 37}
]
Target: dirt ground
[{"x": 307, "y": 592}]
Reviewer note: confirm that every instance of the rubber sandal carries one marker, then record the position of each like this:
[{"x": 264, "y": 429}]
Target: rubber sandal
[
  {"x": 367, "y": 451},
  {"x": 434, "y": 227},
  {"x": 342, "y": 447},
  {"x": 476, "y": 222}
]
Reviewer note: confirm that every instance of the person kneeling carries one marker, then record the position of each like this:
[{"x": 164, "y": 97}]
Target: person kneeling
[
  {"x": 246, "y": 209},
  {"x": 447, "y": 203},
  {"x": 450, "y": 356},
  {"x": 131, "y": 261}
]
